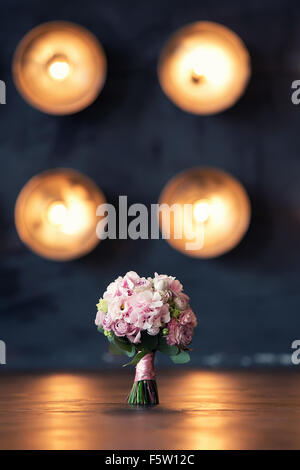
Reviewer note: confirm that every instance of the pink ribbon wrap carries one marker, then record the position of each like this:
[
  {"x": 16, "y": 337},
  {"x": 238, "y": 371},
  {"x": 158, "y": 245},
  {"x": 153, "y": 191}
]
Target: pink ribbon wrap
[{"x": 145, "y": 369}]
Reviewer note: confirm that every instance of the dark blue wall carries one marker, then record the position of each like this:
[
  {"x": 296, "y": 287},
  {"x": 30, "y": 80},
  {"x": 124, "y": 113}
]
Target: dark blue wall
[{"x": 131, "y": 141}]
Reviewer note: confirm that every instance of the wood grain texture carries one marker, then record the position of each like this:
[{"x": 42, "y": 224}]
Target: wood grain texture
[{"x": 198, "y": 410}]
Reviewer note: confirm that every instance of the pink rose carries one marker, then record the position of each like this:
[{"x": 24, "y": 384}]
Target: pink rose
[
  {"x": 186, "y": 335},
  {"x": 176, "y": 287},
  {"x": 188, "y": 317},
  {"x": 136, "y": 304},
  {"x": 135, "y": 336},
  {"x": 107, "y": 322},
  {"x": 181, "y": 335},
  {"x": 172, "y": 336},
  {"x": 181, "y": 301},
  {"x": 120, "y": 327}
]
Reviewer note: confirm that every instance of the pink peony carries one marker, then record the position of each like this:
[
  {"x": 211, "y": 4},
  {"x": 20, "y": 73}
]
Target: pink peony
[
  {"x": 186, "y": 335},
  {"x": 107, "y": 322},
  {"x": 181, "y": 301},
  {"x": 176, "y": 287},
  {"x": 120, "y": 328},
  {"x": 173, "y": 332},
  {"x": 135, "y": 304},
  {"x": 135, "y": 336},
  {"x": 180, "y": 335},
  {"x": 188, "y": 317}
]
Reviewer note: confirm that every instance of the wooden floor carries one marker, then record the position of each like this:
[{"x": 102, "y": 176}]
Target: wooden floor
[{"x": 198, "y": 410}]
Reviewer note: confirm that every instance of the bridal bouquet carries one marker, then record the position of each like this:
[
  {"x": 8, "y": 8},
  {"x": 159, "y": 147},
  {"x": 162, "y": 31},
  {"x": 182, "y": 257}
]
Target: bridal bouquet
[{"x": 140, "y": 316}]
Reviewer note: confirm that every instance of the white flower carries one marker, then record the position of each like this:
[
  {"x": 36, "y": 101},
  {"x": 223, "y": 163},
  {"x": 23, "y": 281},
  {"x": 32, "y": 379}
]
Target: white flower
[{"x": 161, "y": 282}]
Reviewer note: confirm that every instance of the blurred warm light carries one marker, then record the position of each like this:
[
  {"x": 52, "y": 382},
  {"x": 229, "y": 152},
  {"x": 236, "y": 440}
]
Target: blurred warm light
[
  {"x": 201, "y": 210},
  {"x": 59, "y": 67},
  {"x": 219, "y": 217},
  {"x": 56, "y": 214},
  {"x": 209, "y": 63},
  {"x": 204, "y": 68}
]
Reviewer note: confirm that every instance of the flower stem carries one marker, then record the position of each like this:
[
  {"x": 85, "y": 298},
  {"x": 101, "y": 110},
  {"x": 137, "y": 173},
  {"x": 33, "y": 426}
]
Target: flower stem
[
  {"x": 144, "y": 390},
  {"x": 144, "y": 393}
]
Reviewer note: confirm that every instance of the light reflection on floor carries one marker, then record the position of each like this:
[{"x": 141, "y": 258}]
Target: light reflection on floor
[{"x": 198, "y": 410}]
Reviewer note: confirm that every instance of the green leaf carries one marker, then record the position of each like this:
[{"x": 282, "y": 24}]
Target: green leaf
[
  {"x": 113, "y": 349},
  {"x": 125, "y": 346},
  {"x": 137, "y": 358},
  {"x": 123, "y": 343},
  {"x": 164, "y": 348},
  {"x": 100, "y": 329},
  {"x": 149, "y": 342},
  {"x": 181, "y": 358},
  {"x": 131, "y": 353}
]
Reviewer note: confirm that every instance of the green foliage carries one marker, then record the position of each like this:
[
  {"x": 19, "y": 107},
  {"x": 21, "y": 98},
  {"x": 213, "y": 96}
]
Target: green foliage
[
  {"x": 121, "y": 345},
  {"x": 109, "y": 335},
  {"x": 113, "y": 349},
  {"x": 125, "y": 346},
  {"x": 137, "y": 358},
  {"x": 164, "y": 348},
  {"x": 181, "y": 358},
  {"x": 148, "y": 342},
  {"x": 118, "y": 345},
  {"x": 102, "y": 305},
  {"x": 174, "y": 311}
]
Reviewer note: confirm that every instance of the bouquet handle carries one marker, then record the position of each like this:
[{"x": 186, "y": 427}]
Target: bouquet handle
[{"x": 144, "y": 390}]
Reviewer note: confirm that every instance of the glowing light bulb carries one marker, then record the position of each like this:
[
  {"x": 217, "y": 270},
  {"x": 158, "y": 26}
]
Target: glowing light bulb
[
  {"x": 77, "y": 218},
  {"x": 59, "y": 69},
  {"x": 57, "y": 213},
  {"x": 213, "y": 212},
  {"x": 209, "y": 64},
  {"x": 204, "y": 68},
  {"x": 201, "y": 210}
]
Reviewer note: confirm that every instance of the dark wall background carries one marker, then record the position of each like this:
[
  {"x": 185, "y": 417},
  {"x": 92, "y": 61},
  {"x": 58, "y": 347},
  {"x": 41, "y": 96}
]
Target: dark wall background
[{"x": 131, "y": 141}]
